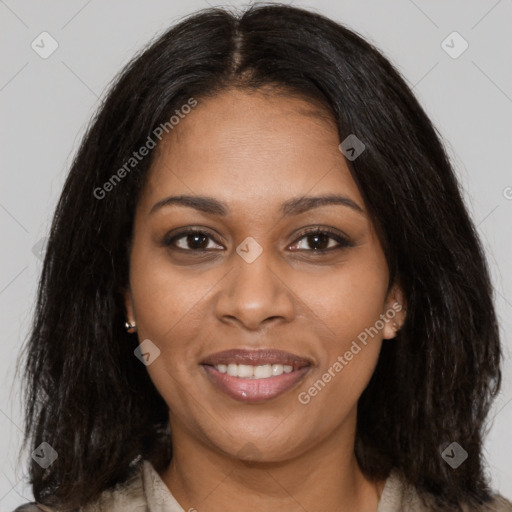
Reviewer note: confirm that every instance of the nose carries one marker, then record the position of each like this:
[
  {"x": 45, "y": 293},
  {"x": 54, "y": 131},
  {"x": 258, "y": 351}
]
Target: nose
[{"x": 255, "y": 294}]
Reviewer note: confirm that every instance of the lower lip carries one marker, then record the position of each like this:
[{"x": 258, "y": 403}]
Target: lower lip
[{"x": 254, "y": 390}]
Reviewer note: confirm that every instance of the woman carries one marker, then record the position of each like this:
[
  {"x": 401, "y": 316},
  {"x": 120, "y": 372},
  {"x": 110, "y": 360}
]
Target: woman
[{"x": 262, "y": 290}]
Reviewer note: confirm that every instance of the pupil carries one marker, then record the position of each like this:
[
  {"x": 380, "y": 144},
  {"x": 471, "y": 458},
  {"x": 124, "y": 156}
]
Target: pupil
[
  {"x": 192, "y": 239},
  {"x": 315, "y": 237}
]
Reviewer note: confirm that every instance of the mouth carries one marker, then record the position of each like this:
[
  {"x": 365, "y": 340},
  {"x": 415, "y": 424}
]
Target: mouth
[{"x": 255, "y": 375}]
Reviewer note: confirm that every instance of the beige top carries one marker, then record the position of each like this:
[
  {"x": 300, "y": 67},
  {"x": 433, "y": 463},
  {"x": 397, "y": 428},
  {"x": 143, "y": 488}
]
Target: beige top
[{"x": 146, "y": 492}]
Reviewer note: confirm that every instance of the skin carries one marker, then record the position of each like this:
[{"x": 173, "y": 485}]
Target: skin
[{"x": 254, "y": 151}]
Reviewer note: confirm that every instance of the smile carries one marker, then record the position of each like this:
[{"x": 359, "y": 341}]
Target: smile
[{"x": 255, "y": 376}]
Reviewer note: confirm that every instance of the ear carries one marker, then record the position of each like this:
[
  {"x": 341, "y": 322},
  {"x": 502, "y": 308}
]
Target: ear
[
  {"x": 395, "y": 311},
  {"x": 128, "y": 304}
]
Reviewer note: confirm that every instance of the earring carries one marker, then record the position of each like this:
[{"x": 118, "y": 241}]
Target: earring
[{"x": 130, "y": 327}]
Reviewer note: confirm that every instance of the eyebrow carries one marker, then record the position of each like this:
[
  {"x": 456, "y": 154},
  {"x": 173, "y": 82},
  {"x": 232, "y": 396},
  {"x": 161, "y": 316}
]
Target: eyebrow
[{"x": 294, "y": 206}]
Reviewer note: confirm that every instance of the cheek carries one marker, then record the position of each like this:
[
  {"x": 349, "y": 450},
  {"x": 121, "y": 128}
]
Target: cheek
[
  {"x": 346, "y": 365},
  {"x": 169, "y": 309},
  {"x": 167, "y": 299},
  {"x": 350, "y": 299},
  {"x": 347, "y": 307},
  {"x": 168, "y": 312},
  {"x": 329, "y": 399}
]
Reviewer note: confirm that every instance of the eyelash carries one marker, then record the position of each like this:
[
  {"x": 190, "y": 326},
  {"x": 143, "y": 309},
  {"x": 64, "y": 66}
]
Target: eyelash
[{"x": 343, "y": 241}]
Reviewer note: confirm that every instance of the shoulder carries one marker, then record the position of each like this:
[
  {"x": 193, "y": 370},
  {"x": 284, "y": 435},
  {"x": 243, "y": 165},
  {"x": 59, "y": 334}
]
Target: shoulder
[
  {"x": 127, "y": 496},
  {"x": 397, "y": 495}
]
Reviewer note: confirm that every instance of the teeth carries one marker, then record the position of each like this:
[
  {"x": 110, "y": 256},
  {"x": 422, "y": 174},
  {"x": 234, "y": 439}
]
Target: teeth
[
  {"x": 263, "y": 372},
  {"x": 246, "y": 371}
]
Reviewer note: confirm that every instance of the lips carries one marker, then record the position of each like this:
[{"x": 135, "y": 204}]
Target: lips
[
  {"x": 251, "y": 389},
  {"x": 256, "y": 358}
]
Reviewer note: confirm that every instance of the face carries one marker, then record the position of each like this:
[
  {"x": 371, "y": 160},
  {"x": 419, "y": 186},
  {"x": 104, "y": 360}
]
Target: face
[{"x": 267, "y": 271}]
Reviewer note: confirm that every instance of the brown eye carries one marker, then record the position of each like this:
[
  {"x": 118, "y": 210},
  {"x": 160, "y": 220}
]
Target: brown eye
[
  {"x": 191, "y": 240},
  {"x": 322, "y": 240}
]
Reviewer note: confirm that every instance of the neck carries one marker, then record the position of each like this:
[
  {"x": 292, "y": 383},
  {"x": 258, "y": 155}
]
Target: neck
[{"x": 324, "y": 478}]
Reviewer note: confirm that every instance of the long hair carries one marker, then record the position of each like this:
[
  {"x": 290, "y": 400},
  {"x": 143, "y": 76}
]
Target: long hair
[{"x": 89, "y": 397}]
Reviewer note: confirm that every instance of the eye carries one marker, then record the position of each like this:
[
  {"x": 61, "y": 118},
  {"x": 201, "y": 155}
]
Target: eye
[
  {"x": 322, "y": 240},
  {"x": 191, "y": 240}
]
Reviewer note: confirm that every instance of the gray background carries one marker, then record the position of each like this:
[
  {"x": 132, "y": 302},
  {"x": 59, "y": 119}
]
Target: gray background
[{"x": 46, "y": 104}]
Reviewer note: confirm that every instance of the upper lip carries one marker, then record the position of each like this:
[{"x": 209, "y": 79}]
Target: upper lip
[{"x": 256, "y": 357}]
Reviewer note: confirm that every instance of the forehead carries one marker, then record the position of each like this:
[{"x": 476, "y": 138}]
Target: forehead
[{"x": 251, "y": 148}]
